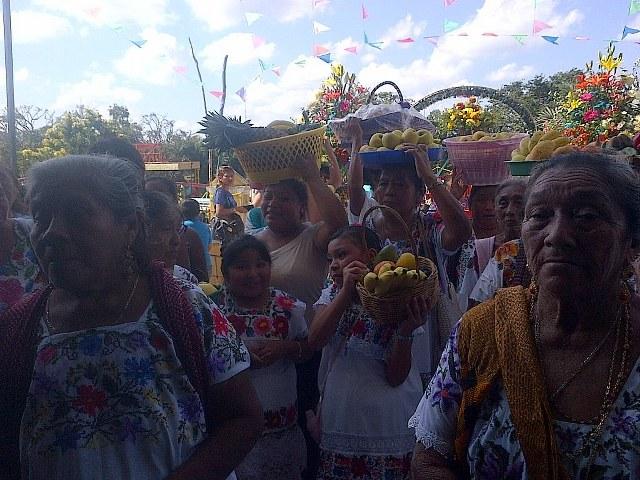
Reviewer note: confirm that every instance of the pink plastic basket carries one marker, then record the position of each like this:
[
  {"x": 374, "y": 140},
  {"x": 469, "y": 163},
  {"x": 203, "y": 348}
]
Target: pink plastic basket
[{"x": 482, "y": 163}]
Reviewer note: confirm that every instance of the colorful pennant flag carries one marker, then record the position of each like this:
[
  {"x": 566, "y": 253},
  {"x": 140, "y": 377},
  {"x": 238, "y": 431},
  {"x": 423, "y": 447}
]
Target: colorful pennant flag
[
  {"x": 377, "y": 45},
  {"x": 629, "y": 31},
  {"x": 257, "y": 41},
  {"x": 448, "y": 3},
  {"x": 634, "y": 7},
  {"x": 319, "y": 50},
  {"x": 140, "y": 43},
  {"x": 539, "y": 25},
  {"x": 320, "y": 28},
  {"x": 117, "y": 28},
  {"x": 242, "y": 94},
  {"x": 251, "y": 17},
  {"x": 462, "y": 34},
  {"x": 365, "y": 14},
  {"x": 450, "y": 25},
  {"x": 489, "y": 34},
  {"x": 353, "y": 50},
  {"x": 433, "y": 40},
  {"x": 216, "y": 93},
  {"x": 520, "y": 38},
  {"x": 406, "y": 40},
  {"x": 549, "y": 39},
  {"x": 276, "y": 70},
  {"x": 325, "y": 58},
  {"x": 263, "y": 66}
]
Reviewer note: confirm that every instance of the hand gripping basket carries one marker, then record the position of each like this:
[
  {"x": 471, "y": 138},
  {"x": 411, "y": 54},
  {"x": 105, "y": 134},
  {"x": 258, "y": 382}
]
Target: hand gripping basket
[
  {"x": 274, "y": 160},
  {"x": 482, "y": 162},
  {"x": 391, "y": 309}
]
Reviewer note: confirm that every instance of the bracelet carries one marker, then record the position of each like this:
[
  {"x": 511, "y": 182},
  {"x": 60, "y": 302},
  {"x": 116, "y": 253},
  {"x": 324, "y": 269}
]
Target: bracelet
[{"x": 403, "y": 338}]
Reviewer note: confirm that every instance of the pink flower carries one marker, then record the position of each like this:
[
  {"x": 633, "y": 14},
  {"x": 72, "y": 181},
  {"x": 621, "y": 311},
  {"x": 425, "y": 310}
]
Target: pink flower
[
  {"x": 586, "y": 97},
  {"x": 262, "y": 325},
  {"x": 590, "y": 115},
  {"x": 344, "y": 106}
]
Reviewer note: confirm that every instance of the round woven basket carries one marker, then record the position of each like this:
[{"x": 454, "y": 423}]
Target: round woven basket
[
  {"x": 274, "y": 160},
  {"x": 391, "y": 309},
  {"x": 482, "y": 163}
]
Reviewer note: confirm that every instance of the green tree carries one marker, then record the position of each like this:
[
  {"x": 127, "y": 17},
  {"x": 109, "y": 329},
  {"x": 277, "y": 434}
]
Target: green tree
[
  {"x": 157, "y": 129},
  {"x": 120, "y": 124}
]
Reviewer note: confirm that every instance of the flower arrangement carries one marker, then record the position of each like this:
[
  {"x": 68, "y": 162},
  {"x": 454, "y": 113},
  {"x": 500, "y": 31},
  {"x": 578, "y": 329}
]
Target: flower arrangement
[
  {"x": 603, "y": 102},
  {"x": 466, "y": 117}
]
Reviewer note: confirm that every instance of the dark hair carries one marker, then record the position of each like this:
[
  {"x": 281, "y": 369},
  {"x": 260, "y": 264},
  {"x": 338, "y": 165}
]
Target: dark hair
[
  {"x": 511, "y": 182},
  {"x": 157, "y": 206},
  {"x": 354, "y": 234},
  {"x": 240, "y": 245},
  {"x": 475, "y": 191},
  {"x": 297, "y": 187},
  {"x": 118, "y": 147},
  {"x": 112, "y": 182},
  {"x": 190, "y": 209},
  {"x": 166, "y": 185},
  {"x": 621, "y": 181}
]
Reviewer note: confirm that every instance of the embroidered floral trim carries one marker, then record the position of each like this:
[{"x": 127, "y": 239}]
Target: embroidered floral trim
[
  {"x": 367, "y": 444},
  {"x": 431, "y": 440},
  {"x": 280, "y": 419}
]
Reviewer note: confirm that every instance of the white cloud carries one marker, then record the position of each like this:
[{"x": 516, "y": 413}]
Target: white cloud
[
  {"x": 510, "y": 72},
  {"x": 97, "y": 90},
  {"x": 29, "y": 26},
  {"x": 143, "y": 13},
  {"x": 338, "y": 52},
  {"x": 224, "y": 14},
  {"x": 239, "y": 47},
  {"x": 405, "y": 28},
  {"x": 154, "y": 63},
  {"x": 284, "y": 97},
  {"x": 21, "y": 74}
]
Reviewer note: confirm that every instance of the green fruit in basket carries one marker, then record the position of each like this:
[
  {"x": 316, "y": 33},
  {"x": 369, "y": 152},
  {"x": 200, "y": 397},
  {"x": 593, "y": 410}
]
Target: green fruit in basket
[
  {"x": 524, "y": 146},
  {"x": 478, "y": 135},
  {"x": 542, "y": 150},
  {"x": 391, "y": 140},
  {"x": 387, "y": 254},
  {"x": 426, "y": 137},
  {"x": 410, "y": 136},
  {"x": 376, "y": 140},
  {"x": 517, "y": 157},
  {"x": 383, "y": 149}
]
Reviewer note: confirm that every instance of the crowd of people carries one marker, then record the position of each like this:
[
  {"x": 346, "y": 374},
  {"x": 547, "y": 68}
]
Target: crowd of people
[{"x": 116, "y": 364}]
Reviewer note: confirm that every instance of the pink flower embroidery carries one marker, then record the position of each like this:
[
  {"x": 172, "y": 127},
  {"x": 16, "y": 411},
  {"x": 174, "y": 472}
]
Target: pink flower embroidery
[
  {"x": 262, "y": 325},
  {"x": 284, "y": 302},
  {"x": 220, "y": 324},
  {"x": 90, "y": 399},
  {"x": 47, "y": 354},
  {"x": 281, "y": 326}
]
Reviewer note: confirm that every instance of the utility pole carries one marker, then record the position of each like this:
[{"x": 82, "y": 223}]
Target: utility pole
[{"x": 8, "y": 67}]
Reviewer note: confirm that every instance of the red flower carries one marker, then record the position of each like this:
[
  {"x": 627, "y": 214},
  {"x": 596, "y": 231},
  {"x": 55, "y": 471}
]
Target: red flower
[
  {"x": 238, "y": 323},
  {"x": 284, "y": 302},
  {"x": 359, "y": 467},
  {"x": 358, "y": 328},
  {"x": 590, "y": 115},
  {"x": 262, "y": 325},
  {"x": 281, "y": 326},
  {"x": 10, "y": 291},
  {"x": 90, "y": 399},
  {"x": 220, "y": 324},
  {"x": 47, "y": 354}
]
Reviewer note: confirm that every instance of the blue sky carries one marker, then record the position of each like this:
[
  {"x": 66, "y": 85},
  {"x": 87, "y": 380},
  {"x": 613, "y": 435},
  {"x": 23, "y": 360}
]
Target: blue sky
[{"x": 69, "y": 52}]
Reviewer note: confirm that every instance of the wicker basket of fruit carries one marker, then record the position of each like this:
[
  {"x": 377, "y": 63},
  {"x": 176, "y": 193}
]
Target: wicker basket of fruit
[
  {"x": 536, "y": 149},
  {"x": 267, "y": 154},
  {"x": 480, "y": 157},
  {"x": 395, "y": 280}
]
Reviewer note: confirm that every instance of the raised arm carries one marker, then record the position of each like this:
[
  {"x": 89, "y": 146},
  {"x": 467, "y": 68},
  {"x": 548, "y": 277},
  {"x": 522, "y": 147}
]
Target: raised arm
[
  {"x": 335, "y": 175},
  {"x": 427, "y": 464},
  {"x": 356, "y": 172}
]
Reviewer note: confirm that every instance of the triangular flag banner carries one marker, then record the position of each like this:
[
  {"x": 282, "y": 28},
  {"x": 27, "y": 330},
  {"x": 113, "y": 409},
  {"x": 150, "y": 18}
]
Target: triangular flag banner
[
  {"x": 432, "y": 40},
  {"x": 634, "y": 7},
  {"x": 629, "y": 31},
  {"x": 320, "y": 28},
  {"x": 539, "y": 25},
  {"x": 549, "y": 39},
  {"x": 276, "y": 70},
  {"x": 301, "y": 63},
  {"x": 325, "y": 58},
  {"x": 216, "y": 93},
  {"x": 257, "y": 41},
  {"x": 582, "y": 38},
  {"x": 406, "y": 40},
  {"x": 520, "y": 38},
  {"x": 252, "y": 17},
  {"x": 365, "y": 14},
  {"x": 263, "y": 66},
  {"x": 489, "y": 34},
  {"x": 140, "y": 43},
  {"x": 242, "y": 93},
  {"x": 180, "y": 69},
  {"x": 117, "y": 28},
  {"x": 450, "y": 25},
  {"x": 319, "y": 50},
  {"x": 353, "y": 50},
  {"x": 448, "y": 3}
]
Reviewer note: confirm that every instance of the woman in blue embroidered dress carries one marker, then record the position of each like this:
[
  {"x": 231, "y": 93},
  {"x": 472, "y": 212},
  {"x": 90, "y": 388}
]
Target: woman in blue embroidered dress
[
  {"x": 272, "y": 324},
  {"x": 371, "y": 383},
  {"x": 126, "y": 372}
]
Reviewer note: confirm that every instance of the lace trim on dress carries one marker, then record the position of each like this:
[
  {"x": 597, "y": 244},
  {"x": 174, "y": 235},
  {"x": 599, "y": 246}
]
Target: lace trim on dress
[
  {"x": 365, "y": 348},
  {"x": 429, "y": 439},
  {"x": 367, "y": 444}
]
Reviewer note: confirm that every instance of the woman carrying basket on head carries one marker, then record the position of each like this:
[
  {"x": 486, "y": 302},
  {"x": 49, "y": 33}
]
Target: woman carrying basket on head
[
  {"x": 370, "y": 379},
  {"x": 403, "y": 189}
]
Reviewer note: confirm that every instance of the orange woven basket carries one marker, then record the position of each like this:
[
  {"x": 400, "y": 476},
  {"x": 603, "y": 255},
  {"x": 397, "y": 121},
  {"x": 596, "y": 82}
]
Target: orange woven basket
[
  {"x": 274, "y": 160},
  {"x": 391, "y": 309}
]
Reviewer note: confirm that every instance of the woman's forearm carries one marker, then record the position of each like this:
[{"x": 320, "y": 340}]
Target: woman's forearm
[
  {"x": 457, "y": 228},
  {"x": 223, "y": 212},
  {"x": 326, "y": 321},
  {"x": 329, "y": 208},
  {"x": 356, "y": 180},
  {"x": 429, "y": 465},
  {"x": 399, "y": 361}
]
